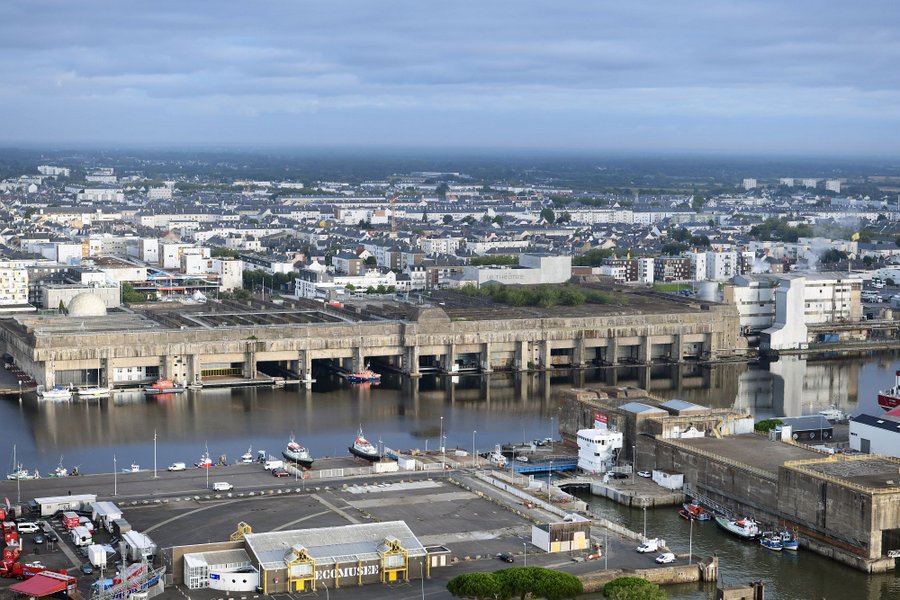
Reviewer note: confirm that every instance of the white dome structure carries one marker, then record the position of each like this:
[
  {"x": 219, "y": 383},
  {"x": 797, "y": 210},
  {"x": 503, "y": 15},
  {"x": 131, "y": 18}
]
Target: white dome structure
[{"x": 87, "y": 304}]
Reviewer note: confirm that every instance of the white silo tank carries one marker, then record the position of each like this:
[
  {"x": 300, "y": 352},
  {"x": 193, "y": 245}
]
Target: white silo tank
[{"x": 708, "y": 291}]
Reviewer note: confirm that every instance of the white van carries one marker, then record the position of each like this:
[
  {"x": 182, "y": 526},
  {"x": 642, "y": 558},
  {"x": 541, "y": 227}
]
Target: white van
[
  {"x": 177, "y": 466},
  {"x": 81, "y": 536},
  {"x": 222, "y": 486},
  {"x": 274, "y": 464}
]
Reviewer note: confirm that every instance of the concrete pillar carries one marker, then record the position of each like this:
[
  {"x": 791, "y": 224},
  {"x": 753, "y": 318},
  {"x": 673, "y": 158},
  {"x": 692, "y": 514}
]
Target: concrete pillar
[
  {"x": 412, "y": 361},
  {"x": 578, "y": 353},
  {"x": 195, "y": 368},
  {"x": 644, "y": 378},
  {"x": 645, "y": 348},
  {"x": 544, "y": 349},
  {"x": 249, "y": 371},
  {"x": 106, "y": 373},
  {"x": 449, "y": 358},
  {"x": 486, "y": 357},
  {"x": 359, "y": 359},
  {"x": 168, "y": 367},
  {"x": 677, "y": 348},
  {"x": 523, "y": 355},
  {"x": 49, "y": 374},
  {"x": 612, "y": 351}
]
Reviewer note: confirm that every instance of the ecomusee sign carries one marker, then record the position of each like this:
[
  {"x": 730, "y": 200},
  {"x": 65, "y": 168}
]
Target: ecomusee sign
[{"x": 344, "y": 572}]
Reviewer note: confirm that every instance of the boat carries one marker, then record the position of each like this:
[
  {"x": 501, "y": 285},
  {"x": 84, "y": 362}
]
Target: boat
[
  {"x": 833, "y": 414},
  {"x": 134, "y": 468},
  {"x": 163, "y": 386},
  {"x": 771, "y": 541},
  {"x": 789, "y": 541},
  {"x": 93, "y": 392},
  {"x": 743, "y": 528},
  {"x": 367, "y": 375},
  {"x": 364, "y": 449},
  {"x": 296, "y": 453},
  {"x": 195, "y": 385},
  {"x": 496, "y": 458},
  {"x": 247, "y": 457},
  {"x": 693, "y": 512},
  {"x": 889, "y": 399},
  {"x": 60, "y": 471},
  {"x": 21, "y": 474},
  {"x": 205, "y": 461},
  {"x": 57, "y": 393}
]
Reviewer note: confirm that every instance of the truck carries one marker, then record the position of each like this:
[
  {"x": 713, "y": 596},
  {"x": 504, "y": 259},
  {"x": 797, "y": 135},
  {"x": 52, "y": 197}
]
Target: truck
[
  {"x": 70, "y": 520},
  {"x": 81, "y": 536},
  {"x": 97, "y": 555},
  {"x": 120, "y": 527},
  {"x": 138, "y": 547},
  {"x": 104, "y": 513},
  {"x": 49, "y": 506},
  {"x": 17, "y": 570},
  {"x": 274, "y": 463}
]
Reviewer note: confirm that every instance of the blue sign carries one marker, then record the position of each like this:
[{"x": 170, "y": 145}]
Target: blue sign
[{"x": 214, "y": 576}]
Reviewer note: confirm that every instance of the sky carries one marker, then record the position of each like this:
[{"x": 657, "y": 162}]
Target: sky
[{"x": 779, "y": 77}]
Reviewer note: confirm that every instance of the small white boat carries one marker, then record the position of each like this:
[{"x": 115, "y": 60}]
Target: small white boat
[
  {"x": 60, "y": 471},
  {"x": 195, "y": 385},
  {"x": 56, "y": 393},
  {"x": 496, "y": 458},
  {"x": 247, "y": 457},
  {"x": 22, "y": 475},
  {"x": 833, "y": 414},
  {"x": 134, "y": 468},
  {"x": 364, "y": 449}
]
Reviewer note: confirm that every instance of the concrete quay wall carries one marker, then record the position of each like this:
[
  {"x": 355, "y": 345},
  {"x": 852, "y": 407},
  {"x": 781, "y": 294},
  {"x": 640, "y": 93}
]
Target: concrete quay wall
[
  {"x": 703, "y": 571},
  {"x": 520, "y": 344}
]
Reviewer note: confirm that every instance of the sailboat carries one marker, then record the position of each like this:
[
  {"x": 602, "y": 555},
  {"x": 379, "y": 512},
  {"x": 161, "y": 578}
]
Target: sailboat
[{"x": 18, "y": 472}]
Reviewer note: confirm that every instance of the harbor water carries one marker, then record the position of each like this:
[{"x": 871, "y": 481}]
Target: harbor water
[{"x": 486, "y": 410}]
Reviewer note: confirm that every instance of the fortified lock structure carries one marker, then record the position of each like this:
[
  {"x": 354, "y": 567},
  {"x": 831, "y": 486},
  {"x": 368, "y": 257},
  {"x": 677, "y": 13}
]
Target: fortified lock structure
[{"x": 188, "y": 343}]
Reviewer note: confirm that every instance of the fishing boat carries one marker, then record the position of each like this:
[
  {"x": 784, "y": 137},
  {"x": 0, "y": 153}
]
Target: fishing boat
[
  {"x": 247, "y": 457},
  {"x": 295, "y": 452},
  {"x": 60, "y": 470},
  {"x": 205, "y": 461},
  {"x": 56, "y": 393},
  {"x": 743, "y": 528},
  {"x": 496, "y": 458},
  {"x": 22, "y": 475},
  {"x": 163, "y": 386},
  {"x": 693, "y": 512},
  {"x": 771, "y": 541},
  {"x": 364, "y": 449},
  {"x": 789, "y": 541},
  {"x": 367, "y": 375},
  {"x": 889, "y": 399}
]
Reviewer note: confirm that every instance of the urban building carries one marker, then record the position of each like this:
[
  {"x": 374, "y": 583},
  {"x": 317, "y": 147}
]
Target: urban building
[
  {"x": 833, "y": 185},
  {"x": 749, "y": 183},
  {"x": 13, "y": 284},
  {"x": 876, "y": 434}
]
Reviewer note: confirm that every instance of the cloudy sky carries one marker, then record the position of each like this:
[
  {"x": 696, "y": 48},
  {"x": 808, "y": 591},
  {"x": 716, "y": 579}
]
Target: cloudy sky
[{"x": 732, "y": 76}]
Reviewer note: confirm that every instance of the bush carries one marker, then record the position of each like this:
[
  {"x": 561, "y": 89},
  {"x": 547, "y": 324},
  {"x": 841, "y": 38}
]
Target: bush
[
  {"x": 767, "y": 425},
  {"x": 633, "y": 588}
]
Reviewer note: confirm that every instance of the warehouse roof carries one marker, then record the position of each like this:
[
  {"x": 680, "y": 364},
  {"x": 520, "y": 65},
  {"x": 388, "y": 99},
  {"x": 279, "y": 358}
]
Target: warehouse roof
[
  {"x": 217, "y": 557},
  {"x": 637, "y": 407},
  {"x": 679, "y": 406},
  {"x": 328, "y": 545}
]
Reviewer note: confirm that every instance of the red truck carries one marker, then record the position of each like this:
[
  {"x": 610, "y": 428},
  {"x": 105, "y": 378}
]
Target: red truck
[
  {"x": 12, "y": 569},
  {"x": 10, "y": 532},
  {"x": 70, "y": 520}
]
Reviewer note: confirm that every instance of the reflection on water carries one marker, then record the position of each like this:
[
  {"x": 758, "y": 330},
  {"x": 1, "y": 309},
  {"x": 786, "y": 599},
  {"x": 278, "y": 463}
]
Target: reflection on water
[{"x": 501, "y": 407}]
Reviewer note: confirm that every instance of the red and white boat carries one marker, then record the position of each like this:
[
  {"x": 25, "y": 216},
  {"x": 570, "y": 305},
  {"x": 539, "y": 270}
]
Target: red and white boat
[
  {"x": 163, "y": 386},
  {"x": 205, "y": 461},
  {"x": 889, "y": 399}
]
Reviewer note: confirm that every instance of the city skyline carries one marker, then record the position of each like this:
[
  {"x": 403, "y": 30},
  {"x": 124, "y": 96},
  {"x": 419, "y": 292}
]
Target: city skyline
[{"x": 808, "y": 78}]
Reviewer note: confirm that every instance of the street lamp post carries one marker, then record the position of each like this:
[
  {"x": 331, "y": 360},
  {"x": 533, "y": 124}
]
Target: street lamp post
[
  {"x": 525, "y": 552},
  {"x": 633, "y": 462},
  {"x": 551, "y": 434},
  {"x": 154, "y": 454},
  {"x": 549, "y": 490},
  {"x": 115, "y": 477},
  {"x": 327, "y": 595},
  {"x": 474, "y": 451},
  {"x": 645, "y": 521},
  {"x": 691, "y": 543},
  {"x": 443, "y": 452}
]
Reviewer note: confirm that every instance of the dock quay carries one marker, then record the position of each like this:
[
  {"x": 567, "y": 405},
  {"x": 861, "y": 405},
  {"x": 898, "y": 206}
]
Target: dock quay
[{"x": 463, "y": 514}]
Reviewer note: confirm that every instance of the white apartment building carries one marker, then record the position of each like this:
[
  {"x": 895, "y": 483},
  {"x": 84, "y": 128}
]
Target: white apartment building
[
  {"x": 160, "y": 193},
  {"x": 875, "y": 434},
  {"x": 171, "y": 253},
  {"x": 13, "y": 284},
  {"x": 444, "y": 245},
  {"x": 810, "y": 183},
  {"x": 749, "y": 183},
  {"x": 833, "y": 185},
  {"x": 54, "y": 171},
  {"x": 786, "y": 181},
  {"x": 645, "y": 270},
  {"x": 101, "y": 195}
]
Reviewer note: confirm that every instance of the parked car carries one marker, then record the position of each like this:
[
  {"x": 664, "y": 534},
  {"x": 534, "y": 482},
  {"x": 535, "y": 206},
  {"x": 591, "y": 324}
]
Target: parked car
[
  {"x": 665, "y": 558},
  {"x": 52, "y": 537},
  {"x": 28, "y": 527},
  {"x": 280, "y": 472},
  {"x": 38, "y": 539},
  {"x": 617, "y": 475},
  {"x": 87, "y": 568},
  {"x": 506, "y": 557},
  {"x": 645, "y": 474}
]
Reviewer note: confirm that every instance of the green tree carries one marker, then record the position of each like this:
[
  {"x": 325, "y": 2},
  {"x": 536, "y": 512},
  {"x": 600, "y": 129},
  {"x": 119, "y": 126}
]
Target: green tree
[
  {"x": 442, "y": 189},
  {"x": 633, "y": 588},
  {"x": 539, "y": 582},
  {"x": 469, "y": 219},
  {"x": 680, "y": 235},
  {"x": 371, "y": 261},
  {"x": 673, "y": 248},
  {"x": 767, "y": 425},
  {"x": 448, "y": 219},
  {"x": 494, "y": 259},
  {"x": 548, "y": 215},
  {"x": 832, "y": 256},
  {"x": 700, "y": 240},
  {"x": 62, "y": 307},
  {"x": 592, "y": 258},
  {"x": 224, "y": 253},
  {"x": 565, "y": 217},
  {"x": 483, "y": 586},
  {"x": 130, "y": 295}
]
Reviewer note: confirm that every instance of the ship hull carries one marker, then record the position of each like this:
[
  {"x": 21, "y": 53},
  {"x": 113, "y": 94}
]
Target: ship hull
[{"x": 364, "y": 455}]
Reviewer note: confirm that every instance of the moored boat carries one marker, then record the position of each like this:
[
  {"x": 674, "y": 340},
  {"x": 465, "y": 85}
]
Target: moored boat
[
  {"x": 743, "y": 528},
  {"x": 789, "y": 541},
  {"x": 693, "y": 512},
  {"x": 205, "y": 461},
  {"x": 297, "y": 453},
  {"x": 22, "y": 475},
  {"x": 367, "y": 375},
  {"x": 163, "y": 386},
  {"x": 889, "y": 399},
  {"x": 771, "y": 541},
  {"x": 247, "y": 457},
  {"x": 57, "y": 392},
  {"x": 93, "y": 392},
  {"x": 364, "y": 449}
]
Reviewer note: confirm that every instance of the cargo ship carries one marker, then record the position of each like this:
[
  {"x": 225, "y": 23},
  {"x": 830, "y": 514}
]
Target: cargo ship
[{"x": 889, "y": 399}]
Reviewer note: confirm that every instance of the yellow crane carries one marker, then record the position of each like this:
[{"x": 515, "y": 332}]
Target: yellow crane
[{"x": 242, "y": 530}]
